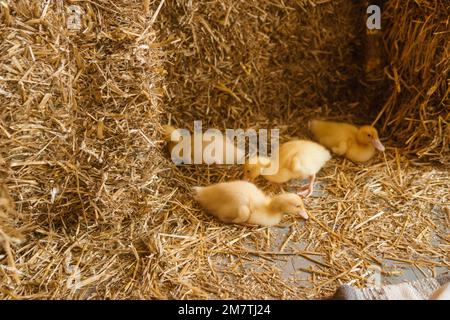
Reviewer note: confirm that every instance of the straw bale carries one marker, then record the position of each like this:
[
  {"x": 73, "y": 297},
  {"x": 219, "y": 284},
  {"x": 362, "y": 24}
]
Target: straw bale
[
  {"x": 416, "y": 112},
  {"x": 80, "y": 111},
  {"x": 235, "y": 62}
]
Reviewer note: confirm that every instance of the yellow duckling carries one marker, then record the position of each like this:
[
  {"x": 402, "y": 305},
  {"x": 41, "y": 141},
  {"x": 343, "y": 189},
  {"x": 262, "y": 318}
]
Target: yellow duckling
[
  {"x": 241, "y": 202},
  {"x": 297, "y": 159},
  {"x": 206, "y": 157},
  {"x": 356, "y": 144}
]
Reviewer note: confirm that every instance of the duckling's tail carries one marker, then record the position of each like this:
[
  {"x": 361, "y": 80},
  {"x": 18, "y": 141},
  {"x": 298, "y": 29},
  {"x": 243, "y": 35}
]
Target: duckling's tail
[
  {"x": 196, "y": 192},
  {"x": 167, "y": 131},
  {"x": 311, "y": 124}
]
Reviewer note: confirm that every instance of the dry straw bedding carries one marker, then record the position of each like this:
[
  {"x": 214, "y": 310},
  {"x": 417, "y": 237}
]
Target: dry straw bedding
[
  {"x": 89, "y": 196},
  {"x": 417, "y": 109}
]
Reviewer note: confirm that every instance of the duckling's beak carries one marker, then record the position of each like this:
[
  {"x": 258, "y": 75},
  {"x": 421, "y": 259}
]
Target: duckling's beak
[
  {"x": 378, "y": 145},
  {"x": 303, "y": 214}
]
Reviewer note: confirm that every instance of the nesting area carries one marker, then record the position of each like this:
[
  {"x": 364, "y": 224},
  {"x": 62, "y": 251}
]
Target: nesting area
[{"x": 91, "y": 206}]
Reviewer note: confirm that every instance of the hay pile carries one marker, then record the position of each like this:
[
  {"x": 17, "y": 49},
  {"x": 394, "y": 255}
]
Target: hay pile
[
  {"x": 235, "y": 63},
  {"x": 9, "y": 233},
  {"x": 417, "y": 111},
  {"x": 106, "y": 215},
  {"x": 78, "y": 117}
]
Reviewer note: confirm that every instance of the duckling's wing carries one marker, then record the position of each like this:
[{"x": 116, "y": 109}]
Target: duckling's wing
[
  {"x": 310, "y": 160},
  {"x": 341, "y": 147},
  {"x": 296, "y": 164},
  {"x": 230, "y": 206},
  {"x": 243, "y": 214}
]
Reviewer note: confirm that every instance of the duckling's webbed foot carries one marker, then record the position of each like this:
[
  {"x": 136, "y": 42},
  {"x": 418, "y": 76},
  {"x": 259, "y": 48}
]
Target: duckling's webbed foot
[{"x": 306, "y": 191}]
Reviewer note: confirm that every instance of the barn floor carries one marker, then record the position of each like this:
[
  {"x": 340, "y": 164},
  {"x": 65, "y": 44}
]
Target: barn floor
[
  {"x": 231, "y": 68},
  {"x": 392, "y": 213}
]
